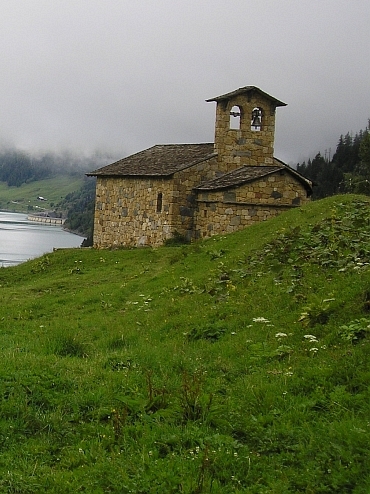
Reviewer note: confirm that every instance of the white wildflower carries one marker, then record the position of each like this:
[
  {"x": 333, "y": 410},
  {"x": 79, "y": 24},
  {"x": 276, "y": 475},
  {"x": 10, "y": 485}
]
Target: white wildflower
[
  {"x": 260, "y": 319},
  {"x": 311, "y": 338},
  {"x": 281, "y": 335}
]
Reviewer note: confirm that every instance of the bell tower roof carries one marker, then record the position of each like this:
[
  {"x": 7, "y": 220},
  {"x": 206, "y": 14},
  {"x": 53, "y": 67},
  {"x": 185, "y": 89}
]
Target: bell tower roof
[{"x": 248, "y": 91}]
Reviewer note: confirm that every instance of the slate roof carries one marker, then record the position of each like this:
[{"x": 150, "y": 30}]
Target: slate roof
[
  {"x": 248, "y": 90},
  {"x": 160, "y": 160},
  {"x": 249, "y": 173}
]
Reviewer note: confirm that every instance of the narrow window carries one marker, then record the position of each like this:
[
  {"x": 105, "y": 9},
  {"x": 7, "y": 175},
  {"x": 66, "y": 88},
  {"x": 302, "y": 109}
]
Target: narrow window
[
  {"x": 235, "y": 115},
  {"x": 159, "y": 202},
  {"x": 256, "y": 122}
]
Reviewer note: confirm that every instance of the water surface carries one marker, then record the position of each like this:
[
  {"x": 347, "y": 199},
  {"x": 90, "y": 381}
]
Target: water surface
[{"x": 21, "y": 239}]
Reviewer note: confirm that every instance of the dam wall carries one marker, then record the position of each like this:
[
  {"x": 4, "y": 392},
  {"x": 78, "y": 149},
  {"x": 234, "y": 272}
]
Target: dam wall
[{"x": 44, "y": 218}]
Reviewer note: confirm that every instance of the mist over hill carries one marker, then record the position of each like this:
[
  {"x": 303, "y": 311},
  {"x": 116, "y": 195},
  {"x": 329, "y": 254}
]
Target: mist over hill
[{"x": 18, "y": 166}]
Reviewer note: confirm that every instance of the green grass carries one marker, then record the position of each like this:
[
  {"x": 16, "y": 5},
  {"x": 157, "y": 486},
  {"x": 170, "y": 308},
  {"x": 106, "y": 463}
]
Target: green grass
[
  {"x": 239, "y": 364},
  {"x": 24, "y": 198}
]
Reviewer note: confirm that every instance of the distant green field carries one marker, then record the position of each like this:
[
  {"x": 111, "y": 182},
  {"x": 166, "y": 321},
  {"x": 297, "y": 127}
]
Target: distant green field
[{"x": 25, "y": 197}]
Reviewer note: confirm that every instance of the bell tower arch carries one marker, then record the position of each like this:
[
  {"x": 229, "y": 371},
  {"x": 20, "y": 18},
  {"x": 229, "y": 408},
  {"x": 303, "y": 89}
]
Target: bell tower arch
[{"x": 245, "y": 128}]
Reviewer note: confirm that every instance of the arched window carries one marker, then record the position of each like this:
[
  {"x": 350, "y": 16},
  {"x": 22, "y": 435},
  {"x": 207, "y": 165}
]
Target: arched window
[
  {"x": 159, "y": 202},
  {"x": 235, "y": 115},
  {"x": 256, "y": 121}
]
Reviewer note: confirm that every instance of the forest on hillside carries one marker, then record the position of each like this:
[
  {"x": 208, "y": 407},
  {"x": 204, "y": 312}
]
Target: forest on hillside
[{"x": 347, "y": 171}]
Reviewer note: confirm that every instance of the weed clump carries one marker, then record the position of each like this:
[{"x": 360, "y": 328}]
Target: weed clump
[
  {"x": 355, "y": 331},
  {"x": 69, "y": 346},
  {"x": 176, "y": 240},
  {"x": 209, "y": 332}
]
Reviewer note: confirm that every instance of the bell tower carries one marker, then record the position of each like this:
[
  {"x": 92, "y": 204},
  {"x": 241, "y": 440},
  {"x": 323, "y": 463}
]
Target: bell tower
[{"x": 245, "y": 128}]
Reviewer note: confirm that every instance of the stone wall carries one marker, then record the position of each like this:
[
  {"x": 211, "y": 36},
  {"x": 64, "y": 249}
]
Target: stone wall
[
  {"x": 126, "y": 209},
  {"x": 126, "y": 212},
  {"x": 234, "y": 209},
  {"x": 184, "y": 198}
]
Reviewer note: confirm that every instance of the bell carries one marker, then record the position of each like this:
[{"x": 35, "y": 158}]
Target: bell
[{"x": 256, "y": 119}]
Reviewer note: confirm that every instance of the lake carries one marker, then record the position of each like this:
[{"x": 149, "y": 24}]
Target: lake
[{"x": 21, "y": 239}]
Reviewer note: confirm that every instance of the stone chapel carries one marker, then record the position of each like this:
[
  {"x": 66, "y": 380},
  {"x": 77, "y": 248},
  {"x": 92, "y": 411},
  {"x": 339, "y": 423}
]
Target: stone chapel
[{"x": 200, "y": 190}]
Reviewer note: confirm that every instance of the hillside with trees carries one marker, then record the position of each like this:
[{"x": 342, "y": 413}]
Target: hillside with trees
[
  {"x": 347, "y": 171},
  {"x": 79, "y": 207},
  {"x": 25, "y": 176}
]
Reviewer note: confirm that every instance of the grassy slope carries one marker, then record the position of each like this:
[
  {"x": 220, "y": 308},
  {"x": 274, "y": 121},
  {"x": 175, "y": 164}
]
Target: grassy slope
[
  {"x": 163, "y": 370},
  {"x": 53, "y": 189}
]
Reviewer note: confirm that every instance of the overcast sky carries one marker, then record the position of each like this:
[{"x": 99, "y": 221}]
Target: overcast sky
[{"x": 123, "y": 75}]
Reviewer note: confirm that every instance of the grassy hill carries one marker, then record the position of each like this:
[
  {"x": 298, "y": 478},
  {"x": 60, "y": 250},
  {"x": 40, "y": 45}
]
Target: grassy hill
[
  {"x": 239, "y": 364},
  {"x": 24, "y": 198}
]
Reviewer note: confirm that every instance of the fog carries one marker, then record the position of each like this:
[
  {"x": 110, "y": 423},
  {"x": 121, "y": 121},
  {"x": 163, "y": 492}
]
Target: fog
[{"x": 115, "y": 76}]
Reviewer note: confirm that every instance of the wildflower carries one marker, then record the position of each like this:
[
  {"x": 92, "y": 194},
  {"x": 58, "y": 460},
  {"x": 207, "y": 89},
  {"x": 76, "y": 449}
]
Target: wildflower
[
  {"x": 314, "y": 349},
  {"x": 260, "y": 319},
  {"x": 310, "y": 337},
  {"x": 280, "y": 335}
]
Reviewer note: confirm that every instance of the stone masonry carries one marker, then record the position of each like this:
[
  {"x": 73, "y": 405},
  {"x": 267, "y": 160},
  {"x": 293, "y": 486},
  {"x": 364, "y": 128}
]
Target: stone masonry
[
  {"x": 127, "y": 209},
  {"x": 234, "y": 209}
]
